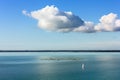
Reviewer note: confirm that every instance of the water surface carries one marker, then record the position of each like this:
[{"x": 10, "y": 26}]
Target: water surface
[{"x": 59, "y": 66}]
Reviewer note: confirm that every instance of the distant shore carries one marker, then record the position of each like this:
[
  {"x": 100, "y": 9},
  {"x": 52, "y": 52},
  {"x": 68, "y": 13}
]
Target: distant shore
[{"x": 59, "y": 50}]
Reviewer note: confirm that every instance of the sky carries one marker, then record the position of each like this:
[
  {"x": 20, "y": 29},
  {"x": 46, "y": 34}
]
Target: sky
[{"x": 59, "y": 24}]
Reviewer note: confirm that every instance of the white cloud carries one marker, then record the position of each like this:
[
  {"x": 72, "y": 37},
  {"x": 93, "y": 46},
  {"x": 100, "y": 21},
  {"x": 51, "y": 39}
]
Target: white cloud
[
  {"x": 50, "y": 18},
  {"x": 108, "y": 22},
  {"x": 88, "y": 27}
]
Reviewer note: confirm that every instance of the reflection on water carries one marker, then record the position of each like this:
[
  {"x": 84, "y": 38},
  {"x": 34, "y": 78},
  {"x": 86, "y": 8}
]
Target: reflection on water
[{"x": 59, "y": 66}]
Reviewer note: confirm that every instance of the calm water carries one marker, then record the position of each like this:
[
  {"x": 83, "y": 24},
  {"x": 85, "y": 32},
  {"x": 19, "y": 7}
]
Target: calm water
[{"x": 59, "y": 66}]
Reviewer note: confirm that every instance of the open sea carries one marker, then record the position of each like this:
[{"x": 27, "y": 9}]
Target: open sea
[{"x": 59, "y": 66}]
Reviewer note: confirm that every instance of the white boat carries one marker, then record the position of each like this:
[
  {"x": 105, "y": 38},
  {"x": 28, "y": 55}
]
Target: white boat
[{"x": 83, "y": 66}]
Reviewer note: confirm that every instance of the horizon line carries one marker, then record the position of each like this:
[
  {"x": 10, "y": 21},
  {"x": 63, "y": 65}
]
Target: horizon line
[{"x": 59, "y": 50}]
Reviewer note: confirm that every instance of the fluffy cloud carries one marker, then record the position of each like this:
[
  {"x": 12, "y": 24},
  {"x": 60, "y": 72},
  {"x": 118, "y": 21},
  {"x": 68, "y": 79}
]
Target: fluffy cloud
[
  {"x": 51, "y": 18},
  {"x": 108, "y": 22}
]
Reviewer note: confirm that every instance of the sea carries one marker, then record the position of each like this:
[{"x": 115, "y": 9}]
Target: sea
[{"x": 60, "y": 66}]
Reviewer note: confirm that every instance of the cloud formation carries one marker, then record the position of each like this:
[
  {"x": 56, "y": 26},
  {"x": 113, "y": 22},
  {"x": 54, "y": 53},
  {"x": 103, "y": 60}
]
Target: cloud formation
[
  {"x": 108, "y": 22},
  {"x": 51, "y": 18}
]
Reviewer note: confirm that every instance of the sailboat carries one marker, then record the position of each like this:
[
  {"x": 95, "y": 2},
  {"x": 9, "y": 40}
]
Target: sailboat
[{"x": 83, "y": 66}]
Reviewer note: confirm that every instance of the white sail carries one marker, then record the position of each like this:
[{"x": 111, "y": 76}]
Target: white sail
[{"x": 83, "y": 66}]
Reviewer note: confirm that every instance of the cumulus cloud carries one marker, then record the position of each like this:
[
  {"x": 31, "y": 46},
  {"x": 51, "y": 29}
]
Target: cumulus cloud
[
  {"x": 108, "y": 22},
  {"x": 50, "y": 18}
]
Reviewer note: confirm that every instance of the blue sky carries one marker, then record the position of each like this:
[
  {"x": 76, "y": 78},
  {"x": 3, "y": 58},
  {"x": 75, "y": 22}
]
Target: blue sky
[{"x": 18, "y": 31}]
